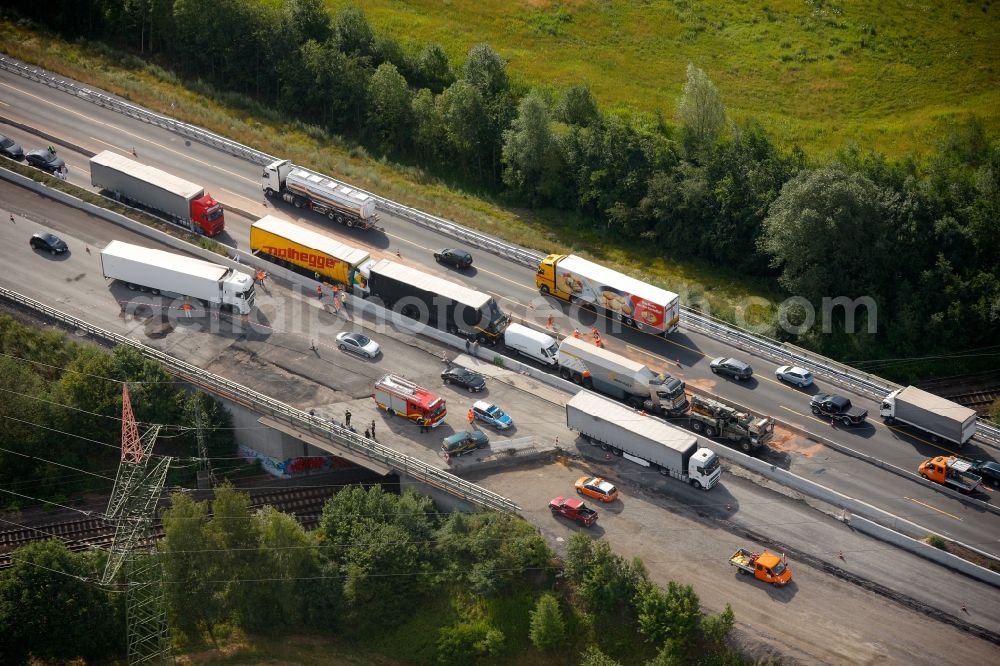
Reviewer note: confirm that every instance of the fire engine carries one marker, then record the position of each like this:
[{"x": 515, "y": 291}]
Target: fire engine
[{"x": 401, "y": 397}]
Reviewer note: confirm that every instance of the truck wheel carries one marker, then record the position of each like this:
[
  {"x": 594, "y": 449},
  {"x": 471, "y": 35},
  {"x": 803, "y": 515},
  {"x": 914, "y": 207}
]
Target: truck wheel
[
  {"x": 618, "y": 452},
  {"x": 565, "y": 373},
  {"x": 154, "y": 292},
  {"x": 628, "y": 321},
  {"x": 297, "y": 202},
  {"x": 349, "y": 223},
  {"x": 544, "y": 289},
  {"x": 889, "y": 420},
  {"x": 269, "y": 193},
  {"x": 664, "y": 471},
  {"x": 745, "y": 445},
  {"x": 709, "y": 431},
  {"x": 131, "y": 286},
  {"x": 696, "y": 426},
  {"x": 332, "y": 216},
  {"x": 696, "y": 483},
  {"x": 815, "y": 410},
  {"x": 846, "y": 421},
  {"x": 634, "y": 403}
]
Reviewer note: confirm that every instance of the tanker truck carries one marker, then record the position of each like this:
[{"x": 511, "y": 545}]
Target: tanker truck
[
  {"x": 621, "y": 378},
  {"x": 183, "y": 202},
  {"x": 306, "y": 189}
]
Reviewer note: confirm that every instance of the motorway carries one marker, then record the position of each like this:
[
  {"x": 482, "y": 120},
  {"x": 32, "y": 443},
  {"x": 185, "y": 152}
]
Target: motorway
[
  {"x": 828, "y": 615},
  {"x": 277, "y": 359},
  {"x": 685, "y": 354}
]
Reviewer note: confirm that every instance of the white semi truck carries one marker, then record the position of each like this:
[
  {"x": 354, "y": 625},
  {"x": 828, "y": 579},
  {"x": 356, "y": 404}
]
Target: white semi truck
[
  {"x": 307, "y": 189},
  {"x": 643, "y": 439},
  {"x": 159, "y": 272},
  {"x": 932, "y": 414},
  {"x": 613, "y": 374}
]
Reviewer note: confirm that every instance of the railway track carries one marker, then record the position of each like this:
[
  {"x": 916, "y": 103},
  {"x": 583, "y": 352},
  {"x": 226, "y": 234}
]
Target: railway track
[
  {"x": 89, "y": 533},
  {"x": 978, "y": 400}
]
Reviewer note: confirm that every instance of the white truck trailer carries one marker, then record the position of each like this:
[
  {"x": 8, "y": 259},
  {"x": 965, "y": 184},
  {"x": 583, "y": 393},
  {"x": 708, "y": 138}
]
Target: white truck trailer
[
  {"x": 306, "y": 189},
  {"x": 181, "y": 201},
  {"x": 620, "y": 377},
  {"x": 643, "y": 439},
  {"x": 932, "y": 414},
  {"x": 159, "y": 272}
]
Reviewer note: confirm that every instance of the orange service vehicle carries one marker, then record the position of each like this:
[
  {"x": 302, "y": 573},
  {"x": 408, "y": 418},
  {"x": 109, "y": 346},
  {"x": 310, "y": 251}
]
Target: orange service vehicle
[
  {"x": 401, "y": 397},
  {"x": 765, "y": 566}
]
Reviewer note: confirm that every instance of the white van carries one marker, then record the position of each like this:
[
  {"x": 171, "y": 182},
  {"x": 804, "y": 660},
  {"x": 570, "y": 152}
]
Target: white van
[{"x": 530, "y": 343}]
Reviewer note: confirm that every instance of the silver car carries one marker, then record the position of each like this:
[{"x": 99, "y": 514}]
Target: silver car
[
  {"x": 357, "y": 343},
  {"x": 793, "y": 374}
]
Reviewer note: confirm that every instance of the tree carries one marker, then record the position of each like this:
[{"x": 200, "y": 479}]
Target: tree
[
  {"x": 466, "y": 123},
  {"x": 429, "y": 136},
  {"x": 577, "y": 106},
  {"x": 672, "y": 615},
  {"x": 700, "y": 108},
  {"x": 715, "y": 628},
  {"x": 603, "y": 580},
  {"x": 306, "y": 19},
  {"x": 194, "y": 602},
  {"x": 593, "y": 656},
  {"x": 465, "y": 642},
  {"x": 51, "y": 608},
  {"x": 432, "y": 69},
  {"x": 291, "y": 562},
  {"x": 352, "y": 33},
  {"x": 237, "y": 560},
  {"x": 388, "y": 107},
  {"x": 486, "y": 71},
  {"x": 827, "y": 232},
  {"x": 548, "y": 629},
  {"x": 526, "y": 145}
]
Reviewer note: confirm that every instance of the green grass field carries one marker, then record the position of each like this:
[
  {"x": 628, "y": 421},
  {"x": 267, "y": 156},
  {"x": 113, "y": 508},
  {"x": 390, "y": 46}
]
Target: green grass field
[{"x": 881, "y": 74}]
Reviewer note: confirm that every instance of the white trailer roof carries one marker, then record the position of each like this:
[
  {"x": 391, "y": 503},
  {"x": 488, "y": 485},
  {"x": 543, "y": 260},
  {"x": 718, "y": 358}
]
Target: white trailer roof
[
  {"x": 149, "y": 174},
  {"x": 470, "y": 297},
  {"x": 179, "y": 262},
  {"x": 312, "y": 239},
  {"x": 936, "y": 404},
  {"x": 629, "y": 419},
  {"x": 577, "y": 346},
  {"x": 611, "y": 278}
]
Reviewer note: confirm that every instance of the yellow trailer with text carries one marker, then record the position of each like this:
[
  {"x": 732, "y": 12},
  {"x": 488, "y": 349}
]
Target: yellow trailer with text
[{"x": 308, "y": 252}]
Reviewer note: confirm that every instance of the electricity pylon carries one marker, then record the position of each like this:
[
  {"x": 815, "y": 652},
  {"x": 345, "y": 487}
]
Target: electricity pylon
[{"x": 132, "y": 508}]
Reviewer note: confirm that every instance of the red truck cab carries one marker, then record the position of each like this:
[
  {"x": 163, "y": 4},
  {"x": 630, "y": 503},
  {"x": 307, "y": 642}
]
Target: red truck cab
[{"x": 207, "y": 213}]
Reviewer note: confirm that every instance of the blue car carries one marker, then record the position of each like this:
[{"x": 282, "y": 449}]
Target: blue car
[{"x": 491, "y": 415}]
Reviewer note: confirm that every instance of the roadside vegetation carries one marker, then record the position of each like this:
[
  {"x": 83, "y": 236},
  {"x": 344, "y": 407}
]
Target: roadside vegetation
[
  {"x": 60, "y": 415},
  {"x": 385, "y": 573},
  {"x": 698, "y": 199}
]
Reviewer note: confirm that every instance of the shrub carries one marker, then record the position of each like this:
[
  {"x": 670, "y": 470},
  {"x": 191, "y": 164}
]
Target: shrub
[{"x": 548, "y": 629}]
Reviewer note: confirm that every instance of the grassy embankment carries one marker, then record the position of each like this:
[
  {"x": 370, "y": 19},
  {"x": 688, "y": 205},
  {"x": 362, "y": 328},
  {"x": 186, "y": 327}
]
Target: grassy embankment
[{"x": 820, "y": 74}]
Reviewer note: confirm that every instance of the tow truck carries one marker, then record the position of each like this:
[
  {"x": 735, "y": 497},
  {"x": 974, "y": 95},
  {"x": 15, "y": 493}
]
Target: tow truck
[
  {"x": 574, "y": 509},
  {"x": 764, "y": 566},
  {"x": 951, "y": 472}
]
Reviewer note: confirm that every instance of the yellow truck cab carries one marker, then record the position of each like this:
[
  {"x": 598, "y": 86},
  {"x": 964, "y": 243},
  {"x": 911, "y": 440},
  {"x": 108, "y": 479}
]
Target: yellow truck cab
[
  {"x": 764, "y": 566},
  {"x": 545, "y": 277}
]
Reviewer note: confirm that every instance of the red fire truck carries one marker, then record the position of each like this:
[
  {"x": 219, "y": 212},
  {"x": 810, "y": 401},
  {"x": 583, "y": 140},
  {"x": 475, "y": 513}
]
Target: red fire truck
[{"x": 401, "y": 397}]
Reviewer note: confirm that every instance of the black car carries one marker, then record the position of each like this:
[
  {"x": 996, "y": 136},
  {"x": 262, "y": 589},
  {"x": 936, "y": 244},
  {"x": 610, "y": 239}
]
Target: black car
[
  {"x": 467, "y": 379},
  {"x": 46, "y": 160},
  {"x": 732, "y": 367},
  {"x": 9, "y": 148},
  {"x": 48, "y": 242},
  {"x": 457, "y": 258},
  {"x": 838, "y": 408},
  {"x": 989, "y": 470}
]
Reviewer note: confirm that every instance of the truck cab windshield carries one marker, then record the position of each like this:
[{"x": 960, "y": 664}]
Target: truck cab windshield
[
  {"x": 213, "y": 213},
  {"x": 710, "y": 466},
  {"x": 498, "y": 318}
]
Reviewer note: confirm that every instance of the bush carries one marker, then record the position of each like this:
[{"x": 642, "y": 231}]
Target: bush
[
  {"x": 936, "y": 541},
  {"x": 548, "y": 629},
  {"x": 464, "y": 642}
]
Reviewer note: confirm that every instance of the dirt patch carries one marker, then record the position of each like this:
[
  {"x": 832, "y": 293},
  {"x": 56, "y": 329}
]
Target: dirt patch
[
  {"x": 787, "y": 441},
  {"x": 707, "y": 385}
]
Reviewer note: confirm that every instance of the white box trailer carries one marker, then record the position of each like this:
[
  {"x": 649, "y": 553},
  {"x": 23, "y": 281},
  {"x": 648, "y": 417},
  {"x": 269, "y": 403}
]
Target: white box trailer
[
  {"x": 620, "y": 377},
  {"x": 159, "y": 272},
  {"x": 938, "y": 417},
  {"x": 643, "y": 439}
]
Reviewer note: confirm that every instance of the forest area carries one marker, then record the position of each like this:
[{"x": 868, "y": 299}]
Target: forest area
[{"x": 919, "y": 236}]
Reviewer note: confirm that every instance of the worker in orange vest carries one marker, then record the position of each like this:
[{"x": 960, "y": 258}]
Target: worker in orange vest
[
  {"x": 576, "y": 333},
  {"x": 551, "y": 322},
  {"x": 319, "y": 291},
  {"x": 472, "y": 417},
  {"x": 597, "y": 336}
]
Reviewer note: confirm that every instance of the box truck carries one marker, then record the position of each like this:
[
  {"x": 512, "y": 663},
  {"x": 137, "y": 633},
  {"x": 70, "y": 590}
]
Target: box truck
[
  {"x": 621, "y": 297},
  {"x": 435, "y": 301},
  {"x": 306, "y": 189},
  {"x": 934, "y": 415},
  {"x": 643, "y": 439},
  {"x": 622, "y": 378},
  {"x": 307, "y": 252},
  {"x": 183, "y": 202},
  {"x": 175, "y": 275}
]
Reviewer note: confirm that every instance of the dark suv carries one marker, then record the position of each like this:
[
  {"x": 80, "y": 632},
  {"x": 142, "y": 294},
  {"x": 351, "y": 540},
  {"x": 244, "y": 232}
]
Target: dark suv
[
  {"x": 732, "y": 367},
  {"x": 838, "y": 408},
  {"x": 457, "y": 258}
]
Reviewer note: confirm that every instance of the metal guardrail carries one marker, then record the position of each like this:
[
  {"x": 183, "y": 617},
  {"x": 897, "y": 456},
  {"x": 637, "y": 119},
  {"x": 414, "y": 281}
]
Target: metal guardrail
[
  {"x": 838, "y": 373},
  {"x": 263, "y": 404}
]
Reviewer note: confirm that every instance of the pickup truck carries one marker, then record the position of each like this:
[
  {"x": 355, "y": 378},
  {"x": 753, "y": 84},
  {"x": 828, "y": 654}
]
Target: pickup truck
[
  {"x": 951, "y": 472},
  {"x": 837, "y": 408},
  {"x": 765, "y": 566},
  {"x": 573, "y": 509}
]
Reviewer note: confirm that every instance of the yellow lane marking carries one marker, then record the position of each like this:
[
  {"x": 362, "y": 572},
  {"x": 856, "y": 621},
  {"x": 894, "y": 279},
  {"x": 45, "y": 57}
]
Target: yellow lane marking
[{"x": 933, "y": 508}]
